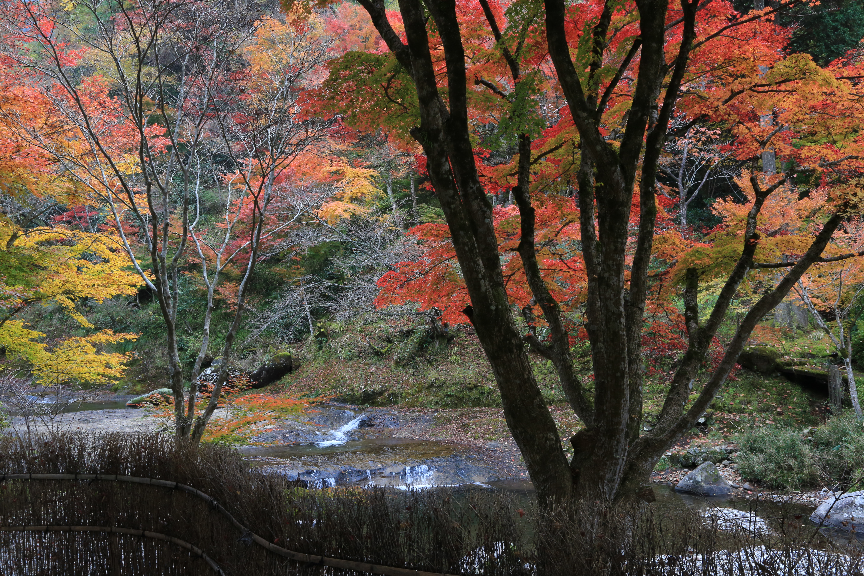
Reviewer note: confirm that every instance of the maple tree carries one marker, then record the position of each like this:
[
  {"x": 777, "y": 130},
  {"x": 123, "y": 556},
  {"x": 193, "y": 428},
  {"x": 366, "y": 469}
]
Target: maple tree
[
  {"x": 547, "y": 102},
  {"x": 46, "y": 261},
  {"x": 62, "y": 267},
  {"x": 188, "y": 100}
]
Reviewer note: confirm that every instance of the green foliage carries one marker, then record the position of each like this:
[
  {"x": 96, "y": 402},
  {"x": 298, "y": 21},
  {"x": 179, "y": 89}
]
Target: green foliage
[
  {"x": 429, "y": 214},
  {"x": 777, "y": 457},
  {"x": 318, "y": 260},
  {"x": 522, "y": 117},
  {"x": 829, "y": 30},
  {"x": 839, "y": 450},
  {"x": 356, "y": 76},
  {"x": 700, "y": 215},
  {"x": 858, "y": 342},
  {"x": 785, "y": 458},
  {"x": 547, "y": 379}
]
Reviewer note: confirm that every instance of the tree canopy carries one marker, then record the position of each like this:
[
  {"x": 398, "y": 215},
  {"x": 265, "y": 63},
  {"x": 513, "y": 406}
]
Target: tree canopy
[
  {"x": 615, "y": 176},
  {"x": 543, "y": 127}
]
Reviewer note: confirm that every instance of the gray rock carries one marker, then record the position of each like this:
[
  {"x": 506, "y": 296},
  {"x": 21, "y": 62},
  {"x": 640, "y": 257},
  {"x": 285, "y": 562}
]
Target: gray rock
[
  {"x": 704, "y": 481},
  {"x": 845, "y": 511}
]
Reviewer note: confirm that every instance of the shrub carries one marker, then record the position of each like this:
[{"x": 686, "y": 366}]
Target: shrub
[
  {"x": 838, "y": 447},
  {"x": 776, "y": 457}
]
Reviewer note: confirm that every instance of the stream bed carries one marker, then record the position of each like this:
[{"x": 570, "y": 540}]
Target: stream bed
[{"x": 338, "y": 447}]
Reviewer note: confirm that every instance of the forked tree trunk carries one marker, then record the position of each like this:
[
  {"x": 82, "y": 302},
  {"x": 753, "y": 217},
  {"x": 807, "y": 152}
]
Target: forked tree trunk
[{"x": 612, "y": 460}]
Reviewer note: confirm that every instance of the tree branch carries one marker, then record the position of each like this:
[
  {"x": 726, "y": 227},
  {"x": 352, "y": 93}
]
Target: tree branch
[{"x": 767, "y": 265}]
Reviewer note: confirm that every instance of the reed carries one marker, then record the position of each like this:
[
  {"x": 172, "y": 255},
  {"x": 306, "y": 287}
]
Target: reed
[{"x": 141, "y": 504}]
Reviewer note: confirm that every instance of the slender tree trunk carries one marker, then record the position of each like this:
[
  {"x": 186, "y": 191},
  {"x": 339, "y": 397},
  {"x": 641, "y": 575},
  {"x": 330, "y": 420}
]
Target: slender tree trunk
[
  {"x": 393, "y": 205},
  {"x": 414, "y": 216},
  {"x": 835, "y": 389},
  {"x": 853, "y": 389},
  {"x": 308, "y": 310}
]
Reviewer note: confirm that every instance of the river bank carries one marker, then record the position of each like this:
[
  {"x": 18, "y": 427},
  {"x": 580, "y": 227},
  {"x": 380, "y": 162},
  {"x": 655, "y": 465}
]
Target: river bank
[{"x": 345, "y": 444}]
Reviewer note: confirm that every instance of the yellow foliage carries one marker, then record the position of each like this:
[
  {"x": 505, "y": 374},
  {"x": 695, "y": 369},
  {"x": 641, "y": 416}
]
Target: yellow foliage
[
  {"x": 332, "y": 212},
  {"x": 74, "y": 360},
  {"x": 355, "y": 190},
  {"x": 786, "y": 226},
  {"x": 280, "y": 50},
  {"x": 56, "y": 265}
]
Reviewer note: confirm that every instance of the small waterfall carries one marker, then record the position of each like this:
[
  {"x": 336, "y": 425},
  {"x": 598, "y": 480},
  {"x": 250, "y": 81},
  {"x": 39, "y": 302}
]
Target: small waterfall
[
  {"x": 340, "y": 435},
  {"x": 420, "y": 476}
]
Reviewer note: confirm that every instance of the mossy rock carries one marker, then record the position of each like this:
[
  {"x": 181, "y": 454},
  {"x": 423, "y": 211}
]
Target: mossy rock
[
  {"x": 695, "y": 456},
  {"x": 809, "y": 378},
  {"x": 761, "y": 359},
  {"x": 281, "y": 357},
  {"x": 272, "y": 371}
]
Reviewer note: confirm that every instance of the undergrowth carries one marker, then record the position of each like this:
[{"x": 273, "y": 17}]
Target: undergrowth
[
  {"x": 369, "y": 365},
  {"x": 790, "y": 459}
]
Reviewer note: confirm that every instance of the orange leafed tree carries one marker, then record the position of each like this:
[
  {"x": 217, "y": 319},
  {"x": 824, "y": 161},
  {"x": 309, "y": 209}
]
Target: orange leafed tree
[{"x": 45, "y": 263}]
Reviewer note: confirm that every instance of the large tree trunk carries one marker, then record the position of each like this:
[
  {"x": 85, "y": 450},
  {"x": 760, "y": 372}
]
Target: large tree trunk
[{"x": 612, "y": 460}]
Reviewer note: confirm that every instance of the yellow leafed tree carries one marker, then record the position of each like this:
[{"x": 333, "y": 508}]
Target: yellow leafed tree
[{"x": 65, "y": 267}]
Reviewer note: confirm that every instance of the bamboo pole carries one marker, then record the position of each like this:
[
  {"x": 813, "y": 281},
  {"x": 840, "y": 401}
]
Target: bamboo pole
[{"x": 117, "y": 530}]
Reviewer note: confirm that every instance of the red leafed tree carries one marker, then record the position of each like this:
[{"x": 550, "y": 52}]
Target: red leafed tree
[{"x": 574, "y": 102}]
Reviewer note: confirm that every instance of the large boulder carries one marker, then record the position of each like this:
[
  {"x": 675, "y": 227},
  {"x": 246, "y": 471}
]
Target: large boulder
[
  {"x": 280, "y": 365},
  {"x": 762, "y": 359},
  {"x": 845, "y": 512},
  {"x": 705, "y": 480}
]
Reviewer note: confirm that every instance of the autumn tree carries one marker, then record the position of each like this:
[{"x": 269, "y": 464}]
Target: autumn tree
[
  {"x": 63, "y": 268},
  {"x": 185, "y": 99},
  {"x": 47, "y": 261},
  {"x": 624, "y": 70}
]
